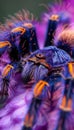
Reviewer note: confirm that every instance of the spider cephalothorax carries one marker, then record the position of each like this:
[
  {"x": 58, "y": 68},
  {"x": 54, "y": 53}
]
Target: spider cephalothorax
[{"x": 43, "y": 61}]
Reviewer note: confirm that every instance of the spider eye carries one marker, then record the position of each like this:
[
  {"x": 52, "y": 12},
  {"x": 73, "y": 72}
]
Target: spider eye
[{"x": 41, "y": 56}]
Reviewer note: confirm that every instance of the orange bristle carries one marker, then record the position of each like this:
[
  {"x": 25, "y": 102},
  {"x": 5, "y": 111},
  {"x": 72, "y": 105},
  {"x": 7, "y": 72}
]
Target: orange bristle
[
  {"x": 4, "y": 44},
  {"x": 19, "y": 29},
  {"x": 71, "y": 68},
  {"x": 7, "y": 70},
  {"x": 39, "y": 87}
]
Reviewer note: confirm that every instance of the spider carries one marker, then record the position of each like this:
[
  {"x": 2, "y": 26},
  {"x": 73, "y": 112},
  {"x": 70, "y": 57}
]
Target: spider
[{"x": 44, "y": 67}]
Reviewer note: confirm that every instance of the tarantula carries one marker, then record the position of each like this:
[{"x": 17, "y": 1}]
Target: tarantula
[{"x": 43, "y": 68}]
